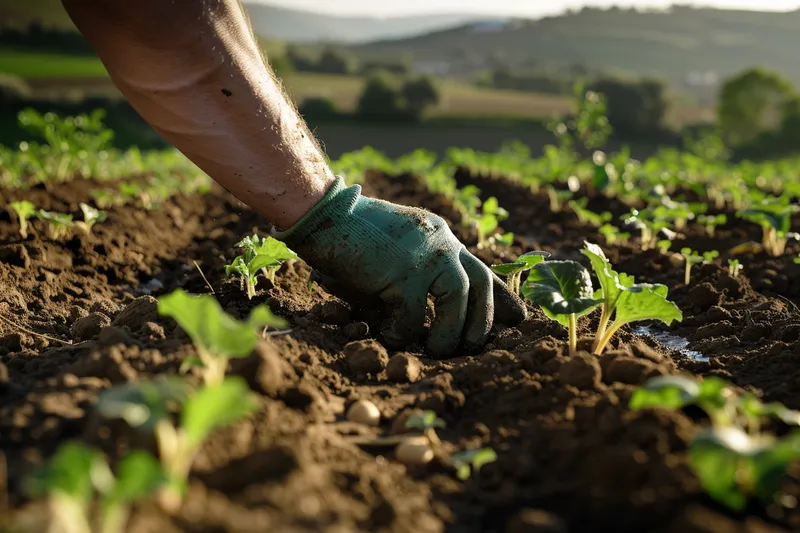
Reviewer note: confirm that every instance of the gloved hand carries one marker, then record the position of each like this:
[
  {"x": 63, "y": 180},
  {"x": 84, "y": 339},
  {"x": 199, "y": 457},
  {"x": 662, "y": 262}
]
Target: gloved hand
[{"x": 400, "y": 254}]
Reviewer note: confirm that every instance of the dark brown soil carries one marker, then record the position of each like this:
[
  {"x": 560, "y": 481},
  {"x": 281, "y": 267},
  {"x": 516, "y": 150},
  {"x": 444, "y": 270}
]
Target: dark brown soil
[{"x": 571, "y": 456}]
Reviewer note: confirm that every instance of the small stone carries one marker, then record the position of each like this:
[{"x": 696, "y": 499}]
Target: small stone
[
  {"x": 112, "y": 335},
  {"x": 356, "y": 331},
  {"x": 137, "y": 313},
  {"x": 582, "y": 371},
  {"x": 641, "y": 349},
  {"x": 366, "y": 357},
  {"x": 266, "y": 371},
  {"x": 404, "y": 368},
  {"x": 333, "y": 312},
  {"x": 107, "y": 307},
  {"x": 87, "y": 327},
  {"x": 364, "y": 412},
  {"x": 536, "y": 521},
  {"x": 414, "y": 451}
]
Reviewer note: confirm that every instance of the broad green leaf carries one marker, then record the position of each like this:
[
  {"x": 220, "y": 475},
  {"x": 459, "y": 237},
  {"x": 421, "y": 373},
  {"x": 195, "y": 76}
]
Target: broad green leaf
[
  {"x": 470, "y": 461},
  {"x": 216, "y": 406},
  {"x": 775, "y": 215},
  {"x": 506, "y": 239},
  {"x": 24, "y": 209},
  {"x": 716, "y": 458},
  {"x": 487, "y": 224},
  {"x": 610, "y": 282},
  {"x": 142, "y": 404},
  {"x": 238, "y": 266},
  {"x": 715, "y": 393},
  {"x": 261, "y": 261},
  {"x": 668, "y": 392},
  {"x": 212, "y": 329},
  {"x": 646, "y": 302},
  {"x": 68, "y": 472},
  {"x": 771, "y": 463},
  {"x": 139, "y": 475},
  {"x": 561, "y": 288},
  {"x": 523, "y": 262},
  {"x": 276, "y": 249}
]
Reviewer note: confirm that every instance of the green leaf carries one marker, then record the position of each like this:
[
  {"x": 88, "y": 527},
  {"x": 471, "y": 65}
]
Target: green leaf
[
  {"x": 611, "y": 282},
  {"x": 68, "y": 473},
  {"x": 487, "y": 223},
  {"x": 212, "y": 329},
  {"x": 189, "y": 363},
  {"x": 523, "y": 262},
  {"x": 646, "y": 302},
  {"x": 425, "y": 420},
  {"x": 91, "y": 215},
  {"x": 216, "y": 406},
  {"x": 139, "y": 475},
  {"x": 752, "y": 406},
  {"x": 560, "y": 288},
  {"x": 469, "y": 461},
  {"x": 771, "y": 463},
  {"x": 60, "y": 219},
  {"x": 261, "y": 261},
  {"x": 238, "y": 266},
  {"x": 715, "y": 456},
  {"x": 276, "y": 249},
  {"x": 24, "y": 209},
  {"x": 142, "y": 404},
  {"x": 668, "y": 392},
  {"x": 506, "y": 239}
]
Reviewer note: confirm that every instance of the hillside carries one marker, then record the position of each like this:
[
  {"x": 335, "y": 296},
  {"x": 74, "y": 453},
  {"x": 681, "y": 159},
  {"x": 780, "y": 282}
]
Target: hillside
[
  {"x": 271, "y": 22},
  {"x": 668, "y": 44}
]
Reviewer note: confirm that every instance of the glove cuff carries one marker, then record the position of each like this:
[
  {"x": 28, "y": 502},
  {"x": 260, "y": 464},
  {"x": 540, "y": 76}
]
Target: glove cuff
[{"x": 338, "y": 203}]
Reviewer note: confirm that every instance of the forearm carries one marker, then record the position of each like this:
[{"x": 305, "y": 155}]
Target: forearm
[{"x": 193, "y": 70}]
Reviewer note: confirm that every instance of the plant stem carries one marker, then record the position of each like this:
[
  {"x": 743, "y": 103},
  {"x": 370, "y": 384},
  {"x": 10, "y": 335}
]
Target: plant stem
[
  {"x": 251, "y": 290},
  {"x": 605, "y": 317},
  {"x": 607, "y": 337},
  {"x": 573, "y": 333},
  {"x": 687, "y": 275},
  {"x": 114, "y": 518}
]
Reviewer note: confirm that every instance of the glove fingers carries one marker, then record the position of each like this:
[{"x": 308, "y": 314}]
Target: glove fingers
[
  {"x": 509, "y": 309},
  {"x": 407, "y": 322},
  {"x": 480, "y": 313},
  {"x": 451, "y": 290}
]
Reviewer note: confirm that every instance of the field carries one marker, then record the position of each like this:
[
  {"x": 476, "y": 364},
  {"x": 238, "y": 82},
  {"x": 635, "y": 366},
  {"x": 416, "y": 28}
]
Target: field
[
  {"x": 34, "y": 64},
  {"x": 574, "y": 438}
]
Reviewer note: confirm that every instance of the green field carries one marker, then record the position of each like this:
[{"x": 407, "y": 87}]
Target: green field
[{"x": 34, "y": 65}]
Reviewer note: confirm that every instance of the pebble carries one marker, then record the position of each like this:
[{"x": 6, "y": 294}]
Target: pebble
[{"x": 404, "y": 368}]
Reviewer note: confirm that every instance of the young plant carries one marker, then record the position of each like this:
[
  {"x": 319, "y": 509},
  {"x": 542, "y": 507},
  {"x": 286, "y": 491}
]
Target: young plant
[
  {"x": 513, "y": 271},
  {"x": 469, "y": 462},
  {"x": 613, "y": 235},
  {"x": 587, "y": 216},
  {"x": 735, "y": 267},
  {"x": 24, "y": 211},
  {"x": 775, "y": 220},
  {"x": 268, "y": 247},
  {"x": 693, "y": 257},
  {"x": 710, "y": 222},
  {"x": 147, "y": 406},
  {"x": 611, "y": 286},
  {"x": 90, "y": 217},
  {"x": 428, "y": 423},
  {"x": 59, "y": 225},
  {"x": 564, "y": 291},
  {"x": 75, "y": 473},
  {"x": 217, "y": 336}
]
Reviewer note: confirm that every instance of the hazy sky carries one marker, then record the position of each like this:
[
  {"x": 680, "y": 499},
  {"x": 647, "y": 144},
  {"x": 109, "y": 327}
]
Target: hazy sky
[{"x": 531, "y": 8}]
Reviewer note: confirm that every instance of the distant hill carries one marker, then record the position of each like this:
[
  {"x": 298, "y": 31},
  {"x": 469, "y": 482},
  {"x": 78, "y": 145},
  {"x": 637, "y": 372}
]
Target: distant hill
[
  {"x": 669, "y": 44},
  {"x": 274, "y": 23}
]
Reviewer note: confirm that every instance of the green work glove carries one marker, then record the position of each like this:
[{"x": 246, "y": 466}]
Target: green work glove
[{"x": 400, "y": 254}]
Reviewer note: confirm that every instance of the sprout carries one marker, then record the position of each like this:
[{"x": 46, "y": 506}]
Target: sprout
[
  {"x": 75, "y": 473},
  {"x": 428, "y": 422},
  {"x": 265, "y": 255},
  {"x": 513, "y": 271},
  {"x": 59, "y": 225},
  {"x": 710, "y": 222},
  {"x": 564, "y": 291},
  {"x": 90, "y": 217},
  {"x": 613, "y": 235},
  {"x": 692, "y": 258},
  {"x": 216, "y": 335},
  {"x": 775, "y": 220},
  {"x": 586, "y": 216},
  {"x": 146, "y": 406},
  {"x": 24, "y": 211},
  {"x": 735, "y": 267},
  {"x": 470, "y": 462}
]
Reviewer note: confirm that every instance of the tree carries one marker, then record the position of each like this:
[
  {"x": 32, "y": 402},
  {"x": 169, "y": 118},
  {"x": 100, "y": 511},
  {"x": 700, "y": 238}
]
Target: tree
[
  {"x": 751, "y": 104},
  {"x": 634, "y": 106},
  {"x": 335, "y": 62},
  {"x": 380, "y": 99},
  {"x": 420, "y": 94}
]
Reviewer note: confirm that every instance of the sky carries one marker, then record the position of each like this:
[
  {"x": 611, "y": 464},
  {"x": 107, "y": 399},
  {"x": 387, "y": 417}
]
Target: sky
[{"x": 523, "y": 8}]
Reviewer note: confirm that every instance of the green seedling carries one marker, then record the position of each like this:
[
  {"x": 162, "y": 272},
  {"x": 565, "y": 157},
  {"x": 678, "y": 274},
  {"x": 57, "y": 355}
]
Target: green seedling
[
  {"x": 75, "y": 473},
  {"x": 557, "y": 198},
  {"x": 587, "y": 216},
  {"x": 797, "y": 260},
  {"x": 91, "y": 216},
  {"x": 488, "y": 221},
  {"x": 147, "y": 406},
  {"x": 775, "y": 220},
  {"x": 59, "y": 225},
  {"x": 513, "y": 271},
  {"x": 564, "y": 291},
  {"x": 470, "y": 462},
  {"x": 735, "y": 267},
  {"x": 428, "y": 423},
  {"x": 106, "y": 198},
  {"x": 710, "y": 222},
  {"x": 268, "y": 247},
  {"x": 692, "y": 257},
  {"x": 24, "y": 210},
  {"x": 217, "y": 336},
  {"x": 506, "y": 239},
  {"x": 664, "y": 245},
  {"x": 613, "y": 235}
]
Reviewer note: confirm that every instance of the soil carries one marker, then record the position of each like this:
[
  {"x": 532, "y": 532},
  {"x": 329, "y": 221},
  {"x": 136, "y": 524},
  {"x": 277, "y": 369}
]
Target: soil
[{"x": 571, "y": 456}]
